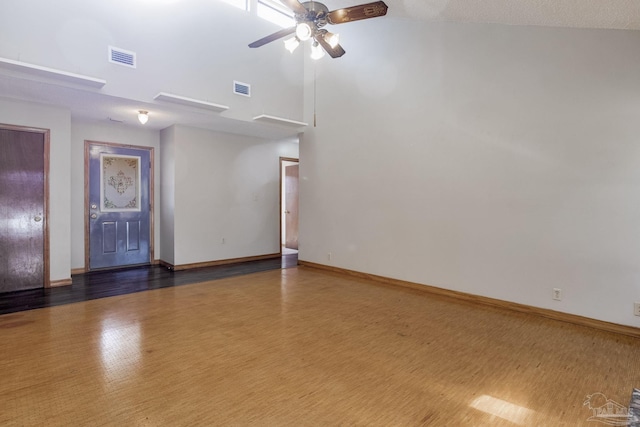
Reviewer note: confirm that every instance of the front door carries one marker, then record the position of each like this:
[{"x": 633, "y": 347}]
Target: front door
[
  {"x": 119, "y": 210},
  {"x": 22, "y": 208}
]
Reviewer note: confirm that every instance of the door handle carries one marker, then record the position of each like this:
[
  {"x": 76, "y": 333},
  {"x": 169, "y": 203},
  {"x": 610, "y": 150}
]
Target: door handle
[
  {"x": 94, "y": 216},
  {"x": 37, "y": 218}
]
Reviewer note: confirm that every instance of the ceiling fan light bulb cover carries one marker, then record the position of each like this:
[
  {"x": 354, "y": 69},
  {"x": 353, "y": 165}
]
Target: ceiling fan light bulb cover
[
  {"x": 332, "y": 39},
  {"x": 291, "y": 44},
  {"x": 303, "y": 31},
  {"x": 317, "y": 51}
]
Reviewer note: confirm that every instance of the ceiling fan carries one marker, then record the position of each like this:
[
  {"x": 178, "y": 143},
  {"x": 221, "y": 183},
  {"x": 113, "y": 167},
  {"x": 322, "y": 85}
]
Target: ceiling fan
[{"x": 311, "y": 16}]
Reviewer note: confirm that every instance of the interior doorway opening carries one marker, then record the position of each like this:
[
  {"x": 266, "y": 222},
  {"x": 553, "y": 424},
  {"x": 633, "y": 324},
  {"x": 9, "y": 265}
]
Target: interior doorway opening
[{"x": 288, "y": 205}]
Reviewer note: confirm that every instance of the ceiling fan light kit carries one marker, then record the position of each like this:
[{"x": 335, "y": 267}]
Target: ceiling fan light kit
[
  {"x": 332, "y": 39},
  {"x": 317, "y": 51},
  {"x": 303, "y": 31},
  {"x": 291, "y": 44},
  {"x": 311, "y": 16}
]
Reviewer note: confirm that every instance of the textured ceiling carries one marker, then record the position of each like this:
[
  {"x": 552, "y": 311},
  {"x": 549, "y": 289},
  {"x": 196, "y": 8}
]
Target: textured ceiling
[{"x": 614, "y": 14}]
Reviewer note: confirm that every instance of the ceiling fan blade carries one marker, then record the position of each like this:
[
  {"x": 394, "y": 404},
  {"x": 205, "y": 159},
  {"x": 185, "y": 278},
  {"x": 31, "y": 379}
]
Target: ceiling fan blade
[
  {"x": 295, "y": 5},
  {"x": 356, "y": 13},
  {"x": 275, "y": 36},
  {"x": 334, "y": 52}
]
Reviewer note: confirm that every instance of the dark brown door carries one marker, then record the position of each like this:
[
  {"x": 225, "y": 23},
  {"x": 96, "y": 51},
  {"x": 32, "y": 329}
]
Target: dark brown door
[
  {"x": 22, "y": 209},
  {"x": 291, "y": 206}
]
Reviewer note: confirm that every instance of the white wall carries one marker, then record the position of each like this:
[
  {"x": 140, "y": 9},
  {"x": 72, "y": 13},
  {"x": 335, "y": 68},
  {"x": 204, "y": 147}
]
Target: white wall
[
  {"x": 57, "y": 121},
  {"x": 193, "y": 48},
  {"x": 226, "y": 187},
  {"x": 168, "y": 194},
  {"x": 494, "y": 160},
  {"x": 114, "y": 133}
]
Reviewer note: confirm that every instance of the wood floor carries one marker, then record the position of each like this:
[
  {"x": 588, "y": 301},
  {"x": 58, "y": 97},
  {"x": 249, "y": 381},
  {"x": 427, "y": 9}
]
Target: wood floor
[
  {"x": 108, "y": 283},
  {"x": 302, "y": 347}
]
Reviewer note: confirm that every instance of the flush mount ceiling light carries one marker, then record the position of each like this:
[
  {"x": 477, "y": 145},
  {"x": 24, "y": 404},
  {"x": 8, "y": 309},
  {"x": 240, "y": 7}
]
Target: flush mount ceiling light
[
  {"x": 143, "y": 116},
  {"x": 311, "y": 16}
]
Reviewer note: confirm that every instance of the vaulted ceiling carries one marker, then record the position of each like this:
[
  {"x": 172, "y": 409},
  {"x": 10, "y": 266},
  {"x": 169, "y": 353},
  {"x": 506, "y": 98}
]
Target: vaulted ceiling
[
  {"x": 597, "y": 14},
  {"x": 611, "y": 14}
]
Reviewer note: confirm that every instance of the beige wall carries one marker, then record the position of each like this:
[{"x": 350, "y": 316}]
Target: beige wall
[
  {"x": 496, "y": 160},
  {"x": 226, "y": 187},
  {"x": 168, "y": 194}
]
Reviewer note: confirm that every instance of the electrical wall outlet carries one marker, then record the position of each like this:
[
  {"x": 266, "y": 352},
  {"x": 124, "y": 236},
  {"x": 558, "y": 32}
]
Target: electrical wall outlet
[
  {"x": 636, "y": 308},
  {"x": 557, "y": 294}
]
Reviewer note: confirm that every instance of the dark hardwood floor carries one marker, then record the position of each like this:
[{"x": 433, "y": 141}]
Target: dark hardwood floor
[{"x": 102, "y": 284}]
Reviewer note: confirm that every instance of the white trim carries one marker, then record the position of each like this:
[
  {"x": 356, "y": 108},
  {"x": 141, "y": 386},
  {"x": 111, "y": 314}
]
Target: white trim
[
  {"x": 279, "y": 120},
  {"x": 177, "y": 99},
  {"x": 53, "y": 73}
]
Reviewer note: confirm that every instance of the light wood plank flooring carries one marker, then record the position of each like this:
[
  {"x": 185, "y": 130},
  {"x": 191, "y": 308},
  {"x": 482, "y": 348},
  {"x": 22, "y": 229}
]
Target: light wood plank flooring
[{"x": 301, "y": 347}]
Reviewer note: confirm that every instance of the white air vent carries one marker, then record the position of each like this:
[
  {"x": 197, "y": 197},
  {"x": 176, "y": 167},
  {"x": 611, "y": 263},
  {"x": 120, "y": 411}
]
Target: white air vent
[
  {"x": 243, "y": 89},
  {"x": 122, "y": 57}
]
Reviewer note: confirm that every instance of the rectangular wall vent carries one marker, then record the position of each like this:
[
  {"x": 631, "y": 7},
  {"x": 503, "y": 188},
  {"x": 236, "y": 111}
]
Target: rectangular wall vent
[
  {"x": 243, "y": 89},
  {"x": 122, "y": 57}
]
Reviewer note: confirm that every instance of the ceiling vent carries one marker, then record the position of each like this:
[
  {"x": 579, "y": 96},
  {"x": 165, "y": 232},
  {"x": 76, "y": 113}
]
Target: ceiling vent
[
  {"x": 122, "y": 57},
  {"x": 241, "y": 88}
]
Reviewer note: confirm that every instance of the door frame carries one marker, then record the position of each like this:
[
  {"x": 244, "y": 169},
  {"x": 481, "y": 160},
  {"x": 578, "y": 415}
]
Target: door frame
[
  {"x": 280, "y": 221},
  {"x": 87, "y": 210},
  {"x": 46, "y": 134}
]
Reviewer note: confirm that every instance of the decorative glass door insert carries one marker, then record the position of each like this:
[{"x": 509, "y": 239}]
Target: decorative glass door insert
[{"x": 119, "y": 183}]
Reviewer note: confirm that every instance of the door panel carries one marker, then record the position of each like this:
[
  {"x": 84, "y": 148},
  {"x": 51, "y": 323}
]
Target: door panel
[
  {"x": 22, "y": 210},
  {"x": 133, "y": 236},
  {"x": 109, "y": 237},
  {"x": 119, "y": 206},
  {"x": 291, "y": 206}
]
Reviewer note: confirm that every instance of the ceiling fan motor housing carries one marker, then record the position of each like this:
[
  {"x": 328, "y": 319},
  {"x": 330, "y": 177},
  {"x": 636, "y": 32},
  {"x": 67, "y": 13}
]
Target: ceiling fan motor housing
[{"x": 316, "y": 13}]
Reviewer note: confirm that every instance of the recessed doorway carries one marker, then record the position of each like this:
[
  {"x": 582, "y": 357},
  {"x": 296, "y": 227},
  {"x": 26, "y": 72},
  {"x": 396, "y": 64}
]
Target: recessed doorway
[{"x": 289, "y": 205}]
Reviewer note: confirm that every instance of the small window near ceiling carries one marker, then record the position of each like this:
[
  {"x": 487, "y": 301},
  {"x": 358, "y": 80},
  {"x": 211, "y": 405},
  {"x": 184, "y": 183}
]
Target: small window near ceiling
[
  {"x": 276, "y": 12},
  {"x": 240, "y": 4}
]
